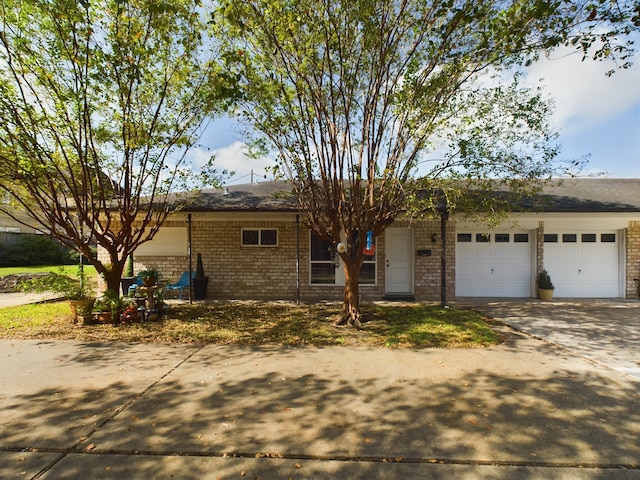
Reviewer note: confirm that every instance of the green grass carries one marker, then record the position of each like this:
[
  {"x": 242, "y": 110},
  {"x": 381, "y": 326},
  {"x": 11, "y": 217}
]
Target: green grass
[
  {"x": 70, "y": 270},
  {"x": 271, "y": 323}
]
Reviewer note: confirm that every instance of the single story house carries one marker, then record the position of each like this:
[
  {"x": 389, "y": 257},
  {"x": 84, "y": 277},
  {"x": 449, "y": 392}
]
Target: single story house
[{"x": 254, "y": 246}]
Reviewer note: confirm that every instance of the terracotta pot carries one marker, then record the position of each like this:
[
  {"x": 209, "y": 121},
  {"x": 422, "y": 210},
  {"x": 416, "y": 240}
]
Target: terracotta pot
[{"x": 81, "y": 308}]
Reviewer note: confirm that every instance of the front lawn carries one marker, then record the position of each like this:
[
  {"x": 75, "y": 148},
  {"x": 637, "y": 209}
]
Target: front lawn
[
  {"x": 70, "y": 270},
  {"x": 270, "y": 323}
]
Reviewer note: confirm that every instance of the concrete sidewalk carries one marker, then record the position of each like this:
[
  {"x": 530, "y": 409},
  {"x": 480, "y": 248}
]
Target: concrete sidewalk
[
  {"x": 15, "y": 299},
  {"x": 525, "y": 409}
]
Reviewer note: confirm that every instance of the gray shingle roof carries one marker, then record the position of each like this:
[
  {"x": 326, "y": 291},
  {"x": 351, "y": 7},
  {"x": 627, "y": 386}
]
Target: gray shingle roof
[
  {"x": 593, "y": 195},
  {"x": 253, "y": 197},
  {"x": 568, "y": 195}
]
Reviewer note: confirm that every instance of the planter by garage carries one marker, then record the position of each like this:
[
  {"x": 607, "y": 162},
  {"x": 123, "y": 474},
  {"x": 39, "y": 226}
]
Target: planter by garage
[{"x": 545, "y": 294}]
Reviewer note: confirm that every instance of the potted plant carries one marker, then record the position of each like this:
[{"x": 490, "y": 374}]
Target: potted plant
[
  {"x": 200, "y": 282},
  {"x": 107, "y": 309},
  {"x": 78, "y": 291},
  {"x": 149, "y": 277},
  {"x": 545, "y": 287},
  {"x": 128, "y": 278}
]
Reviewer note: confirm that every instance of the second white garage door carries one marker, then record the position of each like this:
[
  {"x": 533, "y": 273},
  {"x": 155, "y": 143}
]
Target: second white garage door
[
  {"x": 493, "y": 264},
  {"x": 583, "y": 264}
]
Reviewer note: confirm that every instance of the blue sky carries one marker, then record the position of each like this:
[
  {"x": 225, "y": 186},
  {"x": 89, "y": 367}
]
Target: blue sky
[{"x": 596, "y": 115}]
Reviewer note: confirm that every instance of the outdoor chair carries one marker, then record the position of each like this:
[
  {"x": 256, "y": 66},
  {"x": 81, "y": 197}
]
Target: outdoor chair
[
  {"x": 132, "y": 289},
  {"x": 182, "y": 283}
]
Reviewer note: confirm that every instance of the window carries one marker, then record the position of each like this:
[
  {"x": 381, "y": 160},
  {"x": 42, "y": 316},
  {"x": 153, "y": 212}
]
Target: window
[
  {"x": 483, "y": 237},
  {"x": 367, "y": 274},
  {"x": 588, "y": 238},
  {"x": 569, "y": 238},
  {"x": 259, "y": 237},
  {"x": 323, "y": 270},
  {"x": 550, "y": 238},
  {"x": 608, "y": 237},
  {"x": 521, "y": 237},
  {"x": 464, "y": 237},
  {"x": 502, "y": 237},
  {"x": 326, "y": 268}
]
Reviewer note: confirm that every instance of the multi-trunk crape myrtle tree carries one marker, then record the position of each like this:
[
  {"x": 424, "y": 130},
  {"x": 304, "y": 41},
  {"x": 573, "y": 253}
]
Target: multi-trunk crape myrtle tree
[
  {"x": 100, "y": 101},
  {"x": 352, "y": 94}
]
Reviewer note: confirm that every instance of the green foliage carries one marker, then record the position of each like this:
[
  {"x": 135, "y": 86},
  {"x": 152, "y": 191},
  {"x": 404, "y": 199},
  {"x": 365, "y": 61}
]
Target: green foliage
[
  {"x": 544, "y": 281},
  {"x": 128, "y": 271},
  {"x": 110, "y": 301},
  {"x": 353, "y": 94},
  {"x": 100, "y": 102},
  {"x": 34, "y": 250},
  {"x": 72, "y": 288},
  {"x": 148, "y": 273}
]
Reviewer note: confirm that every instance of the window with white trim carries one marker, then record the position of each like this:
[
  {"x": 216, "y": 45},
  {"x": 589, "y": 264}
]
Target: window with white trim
[
  {"x": 259, "y": 237},
  {"x": 326, "y": 266}
]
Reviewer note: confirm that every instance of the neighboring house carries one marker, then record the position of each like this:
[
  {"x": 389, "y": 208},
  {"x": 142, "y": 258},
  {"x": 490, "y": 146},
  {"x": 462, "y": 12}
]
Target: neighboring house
[
  {"x": 9, "y": 224},
  {"x": 254, "y": 246}
]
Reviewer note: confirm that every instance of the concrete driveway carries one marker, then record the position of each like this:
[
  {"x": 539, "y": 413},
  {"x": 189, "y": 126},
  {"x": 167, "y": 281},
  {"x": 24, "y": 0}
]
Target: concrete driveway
[{"x": 603, "y": 331}]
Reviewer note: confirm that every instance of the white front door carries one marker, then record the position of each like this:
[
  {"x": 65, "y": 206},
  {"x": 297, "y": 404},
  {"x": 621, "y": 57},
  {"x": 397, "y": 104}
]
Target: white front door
[{"x": 399, "y": 261}]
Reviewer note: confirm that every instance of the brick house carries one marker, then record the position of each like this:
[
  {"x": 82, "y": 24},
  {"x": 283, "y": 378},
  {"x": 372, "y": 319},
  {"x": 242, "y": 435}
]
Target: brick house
[{"x": 254, "y": 246}]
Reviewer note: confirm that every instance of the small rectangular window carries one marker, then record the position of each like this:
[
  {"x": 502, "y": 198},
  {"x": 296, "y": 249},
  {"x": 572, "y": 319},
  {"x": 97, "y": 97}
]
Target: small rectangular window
[
  {"x": 483, "y": 237},
  {"x": 502, "y": 238},
  {"x": 608, "y": 238},
  {"x": 269, "y": 237},
  {"x": 464, "y": 237},
  {"x": 550, "y": 238},
  {"x": 569, "y": 238},
  {"x": 588, "y": 238},
  {"x": 259, "y": 237},
  {"x": 250, "y": 237},
  {"x": 521, "y": 237}
]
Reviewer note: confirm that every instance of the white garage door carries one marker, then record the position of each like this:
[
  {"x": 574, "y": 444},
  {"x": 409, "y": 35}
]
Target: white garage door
[
  {"x": 583, "y": 264},
  {"x": 493, "y": 264}
]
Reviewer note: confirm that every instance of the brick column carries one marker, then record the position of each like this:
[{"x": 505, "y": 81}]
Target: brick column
[
  {"x": 633, "y": 259},
  {"x": 540, "y": 247}
]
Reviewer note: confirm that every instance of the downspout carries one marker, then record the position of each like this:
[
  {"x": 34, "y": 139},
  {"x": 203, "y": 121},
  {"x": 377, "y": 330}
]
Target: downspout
[
  {"x": 297, "y": 258},
  {"x": 189, "y": 255},
  {"x": 443, "y": 209},
  {"x": 443, "y": 260}
]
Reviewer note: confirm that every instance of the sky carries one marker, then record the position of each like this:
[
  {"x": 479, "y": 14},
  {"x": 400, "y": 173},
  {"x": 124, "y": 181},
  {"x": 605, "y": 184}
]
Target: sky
[{"x": 596, "y": 115}]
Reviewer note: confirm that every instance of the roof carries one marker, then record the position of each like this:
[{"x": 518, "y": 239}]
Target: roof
[
  {"x": 592, "y": 195},
  {"x": 566, "y": 195},
  {"x": 273, "y": 196}
]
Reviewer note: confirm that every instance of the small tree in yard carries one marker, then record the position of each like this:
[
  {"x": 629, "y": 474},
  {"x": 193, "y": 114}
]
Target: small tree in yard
[
  {"x": 352, "y": 93},
  {"x": 100, "y": 100}
]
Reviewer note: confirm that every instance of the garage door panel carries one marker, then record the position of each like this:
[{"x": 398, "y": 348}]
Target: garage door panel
[
  {"x": 583, "y": 269},
  {"x": 490, "y": 269}
]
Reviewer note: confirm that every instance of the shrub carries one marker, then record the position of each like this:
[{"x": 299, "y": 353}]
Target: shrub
[{"x": 34, "y": 250}]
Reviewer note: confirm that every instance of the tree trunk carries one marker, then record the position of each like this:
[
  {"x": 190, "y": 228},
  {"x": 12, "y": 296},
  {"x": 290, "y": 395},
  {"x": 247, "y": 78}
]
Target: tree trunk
[
  {"x": 351, "y": 305},
  {"x": 113, "y": 275}
]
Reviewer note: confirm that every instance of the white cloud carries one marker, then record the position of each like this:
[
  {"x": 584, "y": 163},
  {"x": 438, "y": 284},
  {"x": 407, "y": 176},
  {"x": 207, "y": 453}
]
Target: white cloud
[
  {"x": 584, "y": 95},
  {"x": 233, "y": 158}
]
